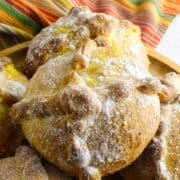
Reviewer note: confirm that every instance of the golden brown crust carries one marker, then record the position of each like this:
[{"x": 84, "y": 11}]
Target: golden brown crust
[
  {"x": 97, "y": 131},
  {"x": 150, "y": 85},
  {"x": 12, "y": 88},
  {"x": 72, "y": 33},
  {"x": 24, "y": 165},
  {"x": 54, "y": 173},
  {"x": 168, "y": 92},
  {"x": 13, "y": 83},
  {"x": 160, "y": 159},
  {"x": 145, "y": 167},
  {"x": 10, "y": 134},
  {"x": 80, "y": 100},
  {"x": 170, "y": 89},
  {"x": 174, "y": 79}
]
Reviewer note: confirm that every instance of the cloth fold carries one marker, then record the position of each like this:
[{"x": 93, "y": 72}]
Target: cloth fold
[{"x": 21, "y": 20}]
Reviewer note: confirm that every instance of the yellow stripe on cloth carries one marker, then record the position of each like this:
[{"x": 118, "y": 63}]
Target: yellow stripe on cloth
[{"x": 6, "y": 19}]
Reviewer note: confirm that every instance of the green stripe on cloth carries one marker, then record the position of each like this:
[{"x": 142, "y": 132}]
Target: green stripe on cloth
[
  {"x": 35, "y": 28},
  {"x": 10, "y": 35},
  {"x": 153, "y": 17},
  {"x": 160, "y": 13}
]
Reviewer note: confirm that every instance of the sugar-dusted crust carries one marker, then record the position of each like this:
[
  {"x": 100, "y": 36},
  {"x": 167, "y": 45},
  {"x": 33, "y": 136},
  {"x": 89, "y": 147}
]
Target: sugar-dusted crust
[
  {"x": 160, "y": 159},
  {"x": 76, "y": 32},
  {"x": 89, "y": 110},
  {"x": 12, "y": 83},
  {"x": 24, "y": 165},
  {"x": 12, "y": 88},
  {"x": 170, "y": 88}
]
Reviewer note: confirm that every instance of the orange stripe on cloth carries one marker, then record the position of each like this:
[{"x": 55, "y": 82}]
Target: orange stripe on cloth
[
  {"x": 153, "y": 17},
  {"x": 51, "y": 17},
  {"x": 24, "y": 8},
  {"x": 171, "y": 7},
  {"x": 49, "y": 5},
  {"x": 31, "y": 11},
  {"x": 12, "y": 22},
  {"x": 148, "y": 43}
]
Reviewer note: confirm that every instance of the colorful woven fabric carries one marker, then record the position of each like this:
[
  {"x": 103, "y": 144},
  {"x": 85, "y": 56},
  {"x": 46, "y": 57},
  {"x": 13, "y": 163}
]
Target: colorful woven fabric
[{"x": 20, "y": 20}]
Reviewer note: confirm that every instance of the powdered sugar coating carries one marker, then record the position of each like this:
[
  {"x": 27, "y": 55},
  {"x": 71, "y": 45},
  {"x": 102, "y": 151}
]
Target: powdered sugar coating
[
  {"x": 160, "y": 159},
  {"x": 25, "y": 165},
  {"x": 116, "y": 133}
]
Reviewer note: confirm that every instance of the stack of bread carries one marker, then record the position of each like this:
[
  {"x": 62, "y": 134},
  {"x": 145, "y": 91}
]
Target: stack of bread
[{"x": 91, "y": 108}]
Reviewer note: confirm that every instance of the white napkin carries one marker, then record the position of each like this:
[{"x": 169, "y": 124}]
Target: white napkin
[{"x": 169, "y": 45}]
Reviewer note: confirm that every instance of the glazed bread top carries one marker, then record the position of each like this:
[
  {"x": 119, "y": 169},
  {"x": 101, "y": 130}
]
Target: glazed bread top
[{"x": 89, "y": 109}]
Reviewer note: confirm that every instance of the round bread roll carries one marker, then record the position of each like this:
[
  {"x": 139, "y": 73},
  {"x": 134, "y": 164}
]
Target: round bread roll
[
  {"x": 88, "y": 110},
  {"x": 160, "y": 159},
  {"x": 12, "y": 88}
]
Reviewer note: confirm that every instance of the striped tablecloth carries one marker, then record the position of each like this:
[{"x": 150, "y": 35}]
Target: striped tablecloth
[{"x": 21, "y": 20}]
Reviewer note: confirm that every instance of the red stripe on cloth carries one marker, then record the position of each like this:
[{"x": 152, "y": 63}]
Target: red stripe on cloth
[
  {"x": 51, "y": 17},
  {"x": 148, "y": 43},
  {"x": 155, "y": 38}
]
